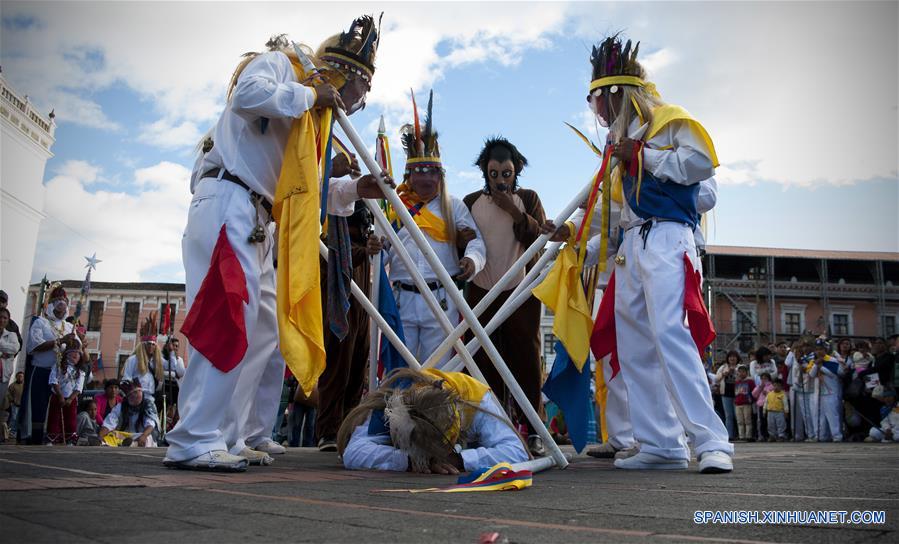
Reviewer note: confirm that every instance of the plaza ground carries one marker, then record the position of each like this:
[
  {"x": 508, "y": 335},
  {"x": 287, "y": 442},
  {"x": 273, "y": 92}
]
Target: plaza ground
[{"x": 75, "y": 495}]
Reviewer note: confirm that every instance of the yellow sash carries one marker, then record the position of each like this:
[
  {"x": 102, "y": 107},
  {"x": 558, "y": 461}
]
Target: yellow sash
[
  {"x": 296, "y": 210},
  {"x": 661, "y": 117},
  {"x": 428, "y": 221}
]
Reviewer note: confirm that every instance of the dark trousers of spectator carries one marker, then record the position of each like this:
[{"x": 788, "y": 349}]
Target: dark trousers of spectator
[
  {"x": 762, "y": 422},
  {"x": 340, "y": 385},
  {"x": 35, "y": 400},
  {"x": 518, "y": 342},
  {"x": 301, "y": 426},
  {"x": 719, "y": 407}
]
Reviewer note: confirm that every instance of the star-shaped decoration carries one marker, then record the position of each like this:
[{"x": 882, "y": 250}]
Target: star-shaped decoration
[{"x": 92, "y": 262}]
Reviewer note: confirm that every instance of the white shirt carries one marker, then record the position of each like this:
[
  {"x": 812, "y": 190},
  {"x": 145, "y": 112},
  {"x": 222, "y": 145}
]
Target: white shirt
[
  {"x": 173, "y": 369},
  {"x": 69, "y": 383},
  {"x": 115, "y": 416},
  {"x": 494, "y": 441},
  {"x": 147, "y": 379},
  {"x": 43, "y": 330},
  {"x": 446, "y": 253},
  {"x": 267, "y": 88},
  {"x": 9, "y": 346},
  {"x": 686, "y": 163}
]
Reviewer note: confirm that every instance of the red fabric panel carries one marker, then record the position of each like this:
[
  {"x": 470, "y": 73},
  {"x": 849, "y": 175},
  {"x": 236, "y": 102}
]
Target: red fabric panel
[{"x": 215, "y": 324}]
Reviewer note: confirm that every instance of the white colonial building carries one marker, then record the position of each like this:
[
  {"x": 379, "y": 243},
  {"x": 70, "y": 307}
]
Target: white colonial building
[{"x": 27, "y": 137}]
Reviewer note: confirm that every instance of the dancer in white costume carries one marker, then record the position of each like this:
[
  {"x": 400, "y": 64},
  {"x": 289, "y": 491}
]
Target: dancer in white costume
[
  {"x": 231, "y": 389},
  {"x": 665, "y": 154}
]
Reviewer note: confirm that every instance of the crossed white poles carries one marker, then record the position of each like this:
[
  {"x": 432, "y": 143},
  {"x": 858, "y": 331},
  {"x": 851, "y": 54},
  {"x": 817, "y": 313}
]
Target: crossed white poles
[{"x": 470, "y": 320}]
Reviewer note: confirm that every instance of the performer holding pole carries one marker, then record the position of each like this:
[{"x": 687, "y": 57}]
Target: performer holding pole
[{"x": 267, "y": 162}]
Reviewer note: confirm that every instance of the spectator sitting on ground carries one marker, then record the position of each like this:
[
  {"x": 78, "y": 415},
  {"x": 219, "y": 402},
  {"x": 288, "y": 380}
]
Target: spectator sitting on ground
[
  {"x": 889, "y": 424},
  {"x": 108, "y": 399},
  {"x": 88, "y": 429},
  {"x": 131, "y": 423}
]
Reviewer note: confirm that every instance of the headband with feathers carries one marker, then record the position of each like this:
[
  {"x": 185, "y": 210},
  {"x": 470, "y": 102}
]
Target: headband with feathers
[{"x": 421, "y": 146}]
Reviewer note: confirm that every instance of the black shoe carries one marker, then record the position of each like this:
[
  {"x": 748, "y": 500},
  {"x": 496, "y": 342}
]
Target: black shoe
[{"x": 327, "y": 444}]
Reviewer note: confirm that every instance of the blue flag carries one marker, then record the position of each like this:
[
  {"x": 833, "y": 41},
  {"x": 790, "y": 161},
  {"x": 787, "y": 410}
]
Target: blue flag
[
  {"x": 569, "y": 388},
  {"x": 390, "y": 357}
]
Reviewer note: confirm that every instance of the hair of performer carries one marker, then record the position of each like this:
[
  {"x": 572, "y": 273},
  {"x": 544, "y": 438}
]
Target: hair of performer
[
  {"x": 426, "y": 418},
  {"x": 148, "y": 348},
  {"x": 501, "y": 163}
]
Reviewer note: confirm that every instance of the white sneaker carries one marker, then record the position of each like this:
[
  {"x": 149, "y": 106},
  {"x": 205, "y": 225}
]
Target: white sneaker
[
  {"x": 217, "y": 460},
  {"x": 648, "y": 461},
  {"x": 715, "y": 462},
  {"x": 628, "y": 452},
  {"x": 255, "y": 457},
  {"x": 271, "y": 447}
]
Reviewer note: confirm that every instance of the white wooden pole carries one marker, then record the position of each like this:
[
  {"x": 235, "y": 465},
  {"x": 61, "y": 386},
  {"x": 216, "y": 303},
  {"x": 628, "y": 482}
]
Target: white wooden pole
[
  {"x": 515, "y": 300},
  {"x": 419, "y": 281},
  {"x": 511, "y": 274},
  {"x": 373, "y": 313},
  {"x": 454, "y": 293},
  {"x": 373, "y": 336}
]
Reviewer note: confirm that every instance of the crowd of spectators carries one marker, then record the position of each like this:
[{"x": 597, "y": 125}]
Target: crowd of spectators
[{"x": 812, "y": 390}]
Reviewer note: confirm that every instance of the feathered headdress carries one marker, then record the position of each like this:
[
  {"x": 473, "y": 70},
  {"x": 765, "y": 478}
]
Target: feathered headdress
[
  {"x": 57, "y": 292},
  {"x": 424, "y": 421},
  {"x": 148, "y": 328},
  {"x": 354, "y": 51},
  {"x": 421, "y": 146},
  {"x": 616, "y": 64}
]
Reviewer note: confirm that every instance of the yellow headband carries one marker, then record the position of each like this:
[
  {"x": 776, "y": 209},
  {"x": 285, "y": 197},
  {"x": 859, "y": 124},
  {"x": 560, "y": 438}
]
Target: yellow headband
[
  {"x": 625, "y": 80},
  {"x": 420, "y": 160}
]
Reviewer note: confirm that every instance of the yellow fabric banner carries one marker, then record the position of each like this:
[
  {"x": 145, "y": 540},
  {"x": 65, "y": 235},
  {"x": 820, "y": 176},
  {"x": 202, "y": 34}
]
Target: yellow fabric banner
[
  {"x": 296, "y": 210},
  {"x": 563, "y": 293}
]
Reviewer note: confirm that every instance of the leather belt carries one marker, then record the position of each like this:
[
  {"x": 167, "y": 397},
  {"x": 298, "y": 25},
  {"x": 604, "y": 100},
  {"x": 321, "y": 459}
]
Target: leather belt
[
  {"x": 221, "y": 173},
  {"x": 433, "y": 286}
]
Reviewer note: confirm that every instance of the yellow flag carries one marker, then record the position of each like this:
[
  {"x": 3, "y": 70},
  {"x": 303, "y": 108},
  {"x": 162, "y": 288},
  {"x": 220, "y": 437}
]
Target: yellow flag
[
  {"x": 563, "y": 293},
  {"x": 296, "y": 209}
]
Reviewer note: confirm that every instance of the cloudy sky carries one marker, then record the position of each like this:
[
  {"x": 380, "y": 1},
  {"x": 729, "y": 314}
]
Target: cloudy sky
[{"x": 800, "y": 99}]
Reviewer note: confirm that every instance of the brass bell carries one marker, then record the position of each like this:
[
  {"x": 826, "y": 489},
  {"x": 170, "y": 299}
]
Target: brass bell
[{"x": 619, "y": 259}]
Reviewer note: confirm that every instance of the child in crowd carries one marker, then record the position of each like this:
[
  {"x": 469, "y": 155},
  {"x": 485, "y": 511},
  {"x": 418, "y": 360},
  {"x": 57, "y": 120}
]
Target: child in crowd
[
  {"x": 743, "y": 402},
  {"x": 88, "y": 429},
  {"x": 67, "y": 382},
  {"x": 889, "y": 424},
  {"x": 777, "y": 407},
  {"x": 760, "y": 394}
]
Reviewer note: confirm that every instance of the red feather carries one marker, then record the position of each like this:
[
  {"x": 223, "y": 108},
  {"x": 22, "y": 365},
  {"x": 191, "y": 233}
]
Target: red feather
[{"x": 418, "y": 141}]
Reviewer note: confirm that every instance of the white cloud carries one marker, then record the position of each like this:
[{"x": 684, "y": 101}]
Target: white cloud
[
  {"x": 149, "y": 224},
  {"x": 164, "y": 134}
]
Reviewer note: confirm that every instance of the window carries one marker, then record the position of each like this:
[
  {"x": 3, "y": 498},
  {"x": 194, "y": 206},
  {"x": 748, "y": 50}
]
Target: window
[
  {"x": 745, "y": 321},
  {"x": 122, "y": 358},
  {"x": 549, "y": 345},
  {"x": 132, "y": 314},
  {"x": 95, "y": 315},
  {"x": 172, "y": 311},
  {"x": 841, "y": 324},
  {"x": 792, "y": 323},
  {"x": 889, "y": 325}
]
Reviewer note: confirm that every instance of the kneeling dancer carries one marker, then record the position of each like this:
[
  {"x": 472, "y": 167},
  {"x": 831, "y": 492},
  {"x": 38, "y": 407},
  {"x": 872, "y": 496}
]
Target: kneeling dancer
[{"x": 429, "y": 421}]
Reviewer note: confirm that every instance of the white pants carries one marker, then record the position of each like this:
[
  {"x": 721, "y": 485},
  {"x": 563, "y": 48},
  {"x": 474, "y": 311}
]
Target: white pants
[
  {"x": 660, "y": 364},
  {"x": 423, "y": 332},
  {"x": 224, "y": 410},
  {"x": 830, "y": 418},
  {"x": 617, "y": 419}
]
